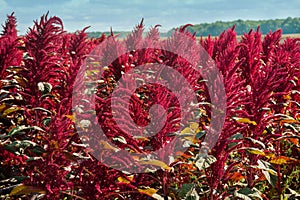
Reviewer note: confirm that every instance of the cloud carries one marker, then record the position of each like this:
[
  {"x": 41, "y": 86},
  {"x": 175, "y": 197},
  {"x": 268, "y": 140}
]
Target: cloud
[
  {"x": 3, "y": 6},
  {"x": 76, "y": 3}
]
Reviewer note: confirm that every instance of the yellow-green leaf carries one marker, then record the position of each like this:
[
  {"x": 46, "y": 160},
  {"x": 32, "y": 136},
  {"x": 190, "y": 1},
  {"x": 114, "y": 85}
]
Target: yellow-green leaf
[
  {"x": 282, "y": 160},
  {"x": 194, "y": 125},
  {"x": 24, "y": 189},
  {"x": 270, "y": 155},
  {"x": 155, "y": 163},
  {"x": 124, "y": 180},
  {"x": 287, "y": 97},
  {"x": 71, "y": 117},
  {"x": 10, "y": 110},
  {"x": 245, "y": 121},
  {"x": 105, "y": 145},
  {"x": 187, "y": 130},
  {"x": 148, "y": 191},
  {"x": 255, "y": 151},
  {"x": 191, "y": 139}
]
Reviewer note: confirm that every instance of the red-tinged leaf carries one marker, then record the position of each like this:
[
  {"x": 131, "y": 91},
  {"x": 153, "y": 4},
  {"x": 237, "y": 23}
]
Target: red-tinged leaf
[
  {"x": 237, "y": 176},
  {"x": 295, "y": 141},
  {"x": 261, "y": 178},
  {"x": 281, "y": 122},
  {"x": 54, "y": 144},
  {"x": 2, "y": 106}
]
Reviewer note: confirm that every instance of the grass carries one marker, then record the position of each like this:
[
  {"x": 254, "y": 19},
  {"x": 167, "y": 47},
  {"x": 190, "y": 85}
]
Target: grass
[{"x": 284, "y": 36}]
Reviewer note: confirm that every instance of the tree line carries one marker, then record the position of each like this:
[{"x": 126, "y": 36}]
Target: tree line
[{"x": 289, "y": 26}]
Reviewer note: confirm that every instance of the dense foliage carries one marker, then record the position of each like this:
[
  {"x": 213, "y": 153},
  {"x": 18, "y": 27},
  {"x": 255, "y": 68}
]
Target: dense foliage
[{"x": 42, "y": 157}]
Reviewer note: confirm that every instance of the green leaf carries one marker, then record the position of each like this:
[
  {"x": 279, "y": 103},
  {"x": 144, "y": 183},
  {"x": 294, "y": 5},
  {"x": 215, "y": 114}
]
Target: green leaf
[
  {"x": 42, "y": 109},
  {"x": 19, "y": 146},
  {"x": 120, "y": 139},
  {"x": 44, "y": 87},
  {"x": 256, "y": 142},
  {"x": 236, "y": 136},
  {"x": 185, "y": 189},
  {"x": 46, "y": 121},
  {"x": 37, "y": 150},
  {"x": 20, "y": 130},
  {"x": 10, "y": 148},
  {"x": 270, "y": 174},
  {"x": 20, "y": 178},
  {"x": 272, "y": 179},
  {"x": 15, "y": 179},
  {"x": 47, "y": 95},
  {"x": 256, "y": 194},
  {"x": 200, "y": 134},
  {"x": 241, "y": 196},
  {"x": 34, "y": 158},
  {"x": 203, "y": 162},
  {"x": 15, "y": 68},
  {"x": 27, "y": 57},
  {"x": 266, "y": 166},
  {"x": 192, "y": 195},
  {"x": 250, "y": 193},
  {"x": 246, "y": 191}
]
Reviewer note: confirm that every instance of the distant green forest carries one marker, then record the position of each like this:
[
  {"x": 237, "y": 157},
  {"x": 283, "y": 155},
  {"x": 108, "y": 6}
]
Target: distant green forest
[{"x": 288, "y": 26}]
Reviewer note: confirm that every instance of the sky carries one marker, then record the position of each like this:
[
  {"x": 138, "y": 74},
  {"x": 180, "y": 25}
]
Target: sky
[{"x": 125, "y": 14}]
